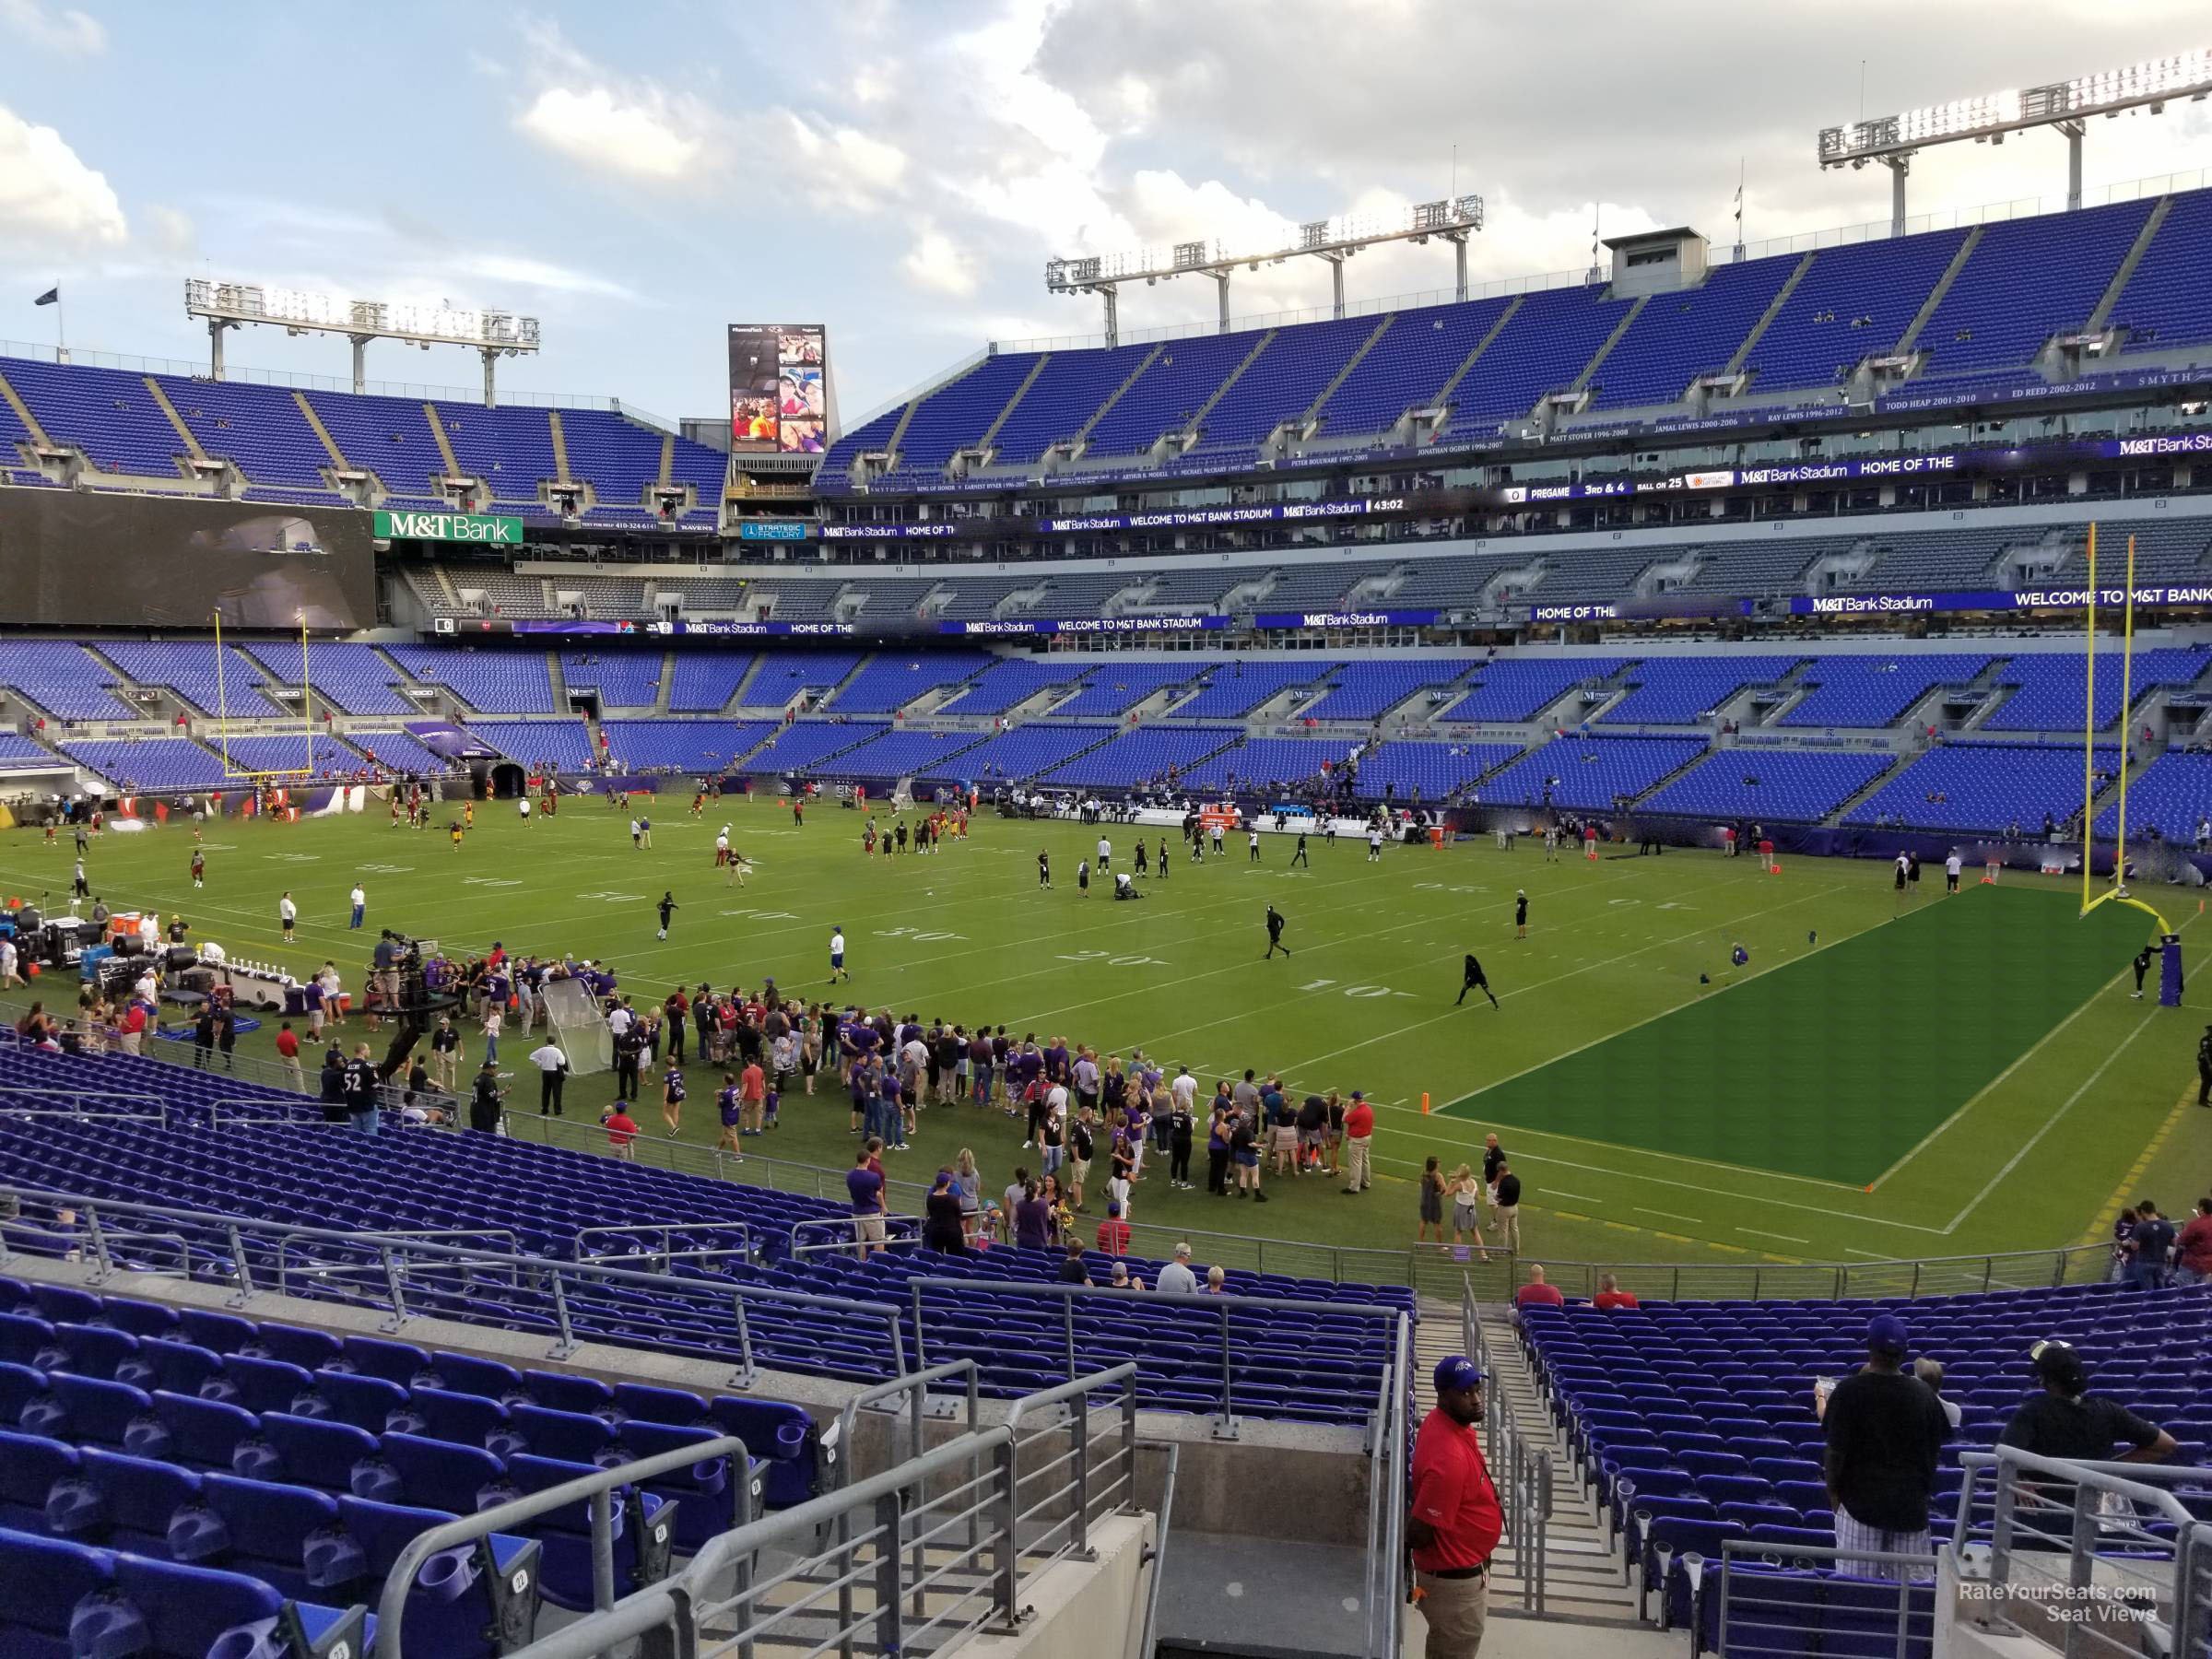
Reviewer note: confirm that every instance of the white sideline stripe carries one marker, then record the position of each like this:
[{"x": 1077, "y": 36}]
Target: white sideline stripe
[
  {"x": 2051, "y": 1123},
  {"x": 1785, "y": 1237},
  {"x": 1670, "y": 1215}
]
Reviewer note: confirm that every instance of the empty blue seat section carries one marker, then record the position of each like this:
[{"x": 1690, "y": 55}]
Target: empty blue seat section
[
  {"x": 1012, "y": 681},
  {"x": 2171, "y": 795},
  {"x": 1371, "y": 688},
  {"x": 1147, "y": 754},
  {"x": 1408, "y": 367},
  {"x": 780, "y": 678},
  {"x": 2164, "y": 303},
  {"x": 2050, "y": 689},
  {"x": 623, "y": 679},
  {"x": 108, "y": 413},
  {"x": 492, "y": 682},
  {"x": 1876, "y": 690},
  {"x": 1517, "y": 688},
  {"x": 260, "y": 427},
  {"x": 1589, "y": 774},
  {"x": 2026, "y": 280},
  {"x": 1768, "y": 785},
  {"x": 1168, "y": 395},
  {"x": 1682, "y": 690},
  {"x": 189, "y": 668},
  {"x": 1984, "y": 788},
  {"x": 1436, "y": 772},
  {"x": 704, "y": 681},
  {"x": 1677, "y": 337},
  {"x": 891, "y": 679},
  {"x": 395, "y": 750},
  {"x": 1269, "y": 763},
  {"x": 799, "y": 748},
  {"x": 690, "y": 746},
  {"x": 1853, "y": 302},
  {"x": 901, "y": 754},
  {"x": 1115, "y": 688},
  {"x": 149, "y": 763},
  {"x": 1542, "y": 347},
  {"x": 64, "y": 681},
  {"x": 1073, "y": 387},
  {"x": 1026, "y": 751},
  {"x": 560, "y": 745},
  {"x": 1234, "y": 691}
]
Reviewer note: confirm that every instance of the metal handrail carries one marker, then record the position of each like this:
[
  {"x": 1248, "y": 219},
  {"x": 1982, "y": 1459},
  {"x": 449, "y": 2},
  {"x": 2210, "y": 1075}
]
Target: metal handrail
[
  {"x": 390, "y": 1607},
  {"x": 10, "y": 1094},
  {"x": 1225, "y": 1304},
  {"x": 915, "y": 1388},
  {"x": 665, "y": 1231},
  {"x": 879, "y": 1550},
  {"x": 1889, "y": 1569},
  {"x": 1147, "y": 1642}
]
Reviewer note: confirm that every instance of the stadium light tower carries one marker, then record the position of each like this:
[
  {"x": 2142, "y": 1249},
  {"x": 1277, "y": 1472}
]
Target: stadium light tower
[
  {"x": 1894, "y": 140},
  {"x": 491, "y": 334},
  {"x": 1333, "y": 241}
]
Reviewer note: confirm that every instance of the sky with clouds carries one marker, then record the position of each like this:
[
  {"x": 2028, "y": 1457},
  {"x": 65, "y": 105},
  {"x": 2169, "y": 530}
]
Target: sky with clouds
[{"x": 639, "y": 175}]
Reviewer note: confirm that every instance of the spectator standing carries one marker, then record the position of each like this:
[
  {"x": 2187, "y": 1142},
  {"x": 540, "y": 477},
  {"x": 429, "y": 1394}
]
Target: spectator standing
[
  {"x": 2067, "y": 1420},
  {"x": 485, "y": 1103},
  {"x": 2193, "y": 1259},
  {"x": 1505, "y": 1208},
  {"x": 1454, "y": 1521},
  {"x": 553, "y": 1075},
  {"x": 1885, "y": 1430},
  {"x": 2149, "y": 1247},
  {"x": 942, "y": 1230},
  {"x": 1359, "y": 1143},
  {"x": 287, "y": 1052},
  {"x": 1930, "y": 1371},
  {"x": 864, "y": 1184},
  {"x": 1113, "y": 1232}
]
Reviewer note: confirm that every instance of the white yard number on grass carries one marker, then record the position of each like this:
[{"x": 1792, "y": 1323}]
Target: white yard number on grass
[
  {"x": 918, "y": 935},
  {"x": 1108, "y": 959},
  {"x": 1359, "y": 990},
  {"x": 614, "y": 897},
  {"x": 487, "y": 881},
  {"x": 385, "y": 869}
]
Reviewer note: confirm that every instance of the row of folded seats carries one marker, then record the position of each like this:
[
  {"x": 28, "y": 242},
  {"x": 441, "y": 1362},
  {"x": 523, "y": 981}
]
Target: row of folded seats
[{"x": 307, "y": 1463}]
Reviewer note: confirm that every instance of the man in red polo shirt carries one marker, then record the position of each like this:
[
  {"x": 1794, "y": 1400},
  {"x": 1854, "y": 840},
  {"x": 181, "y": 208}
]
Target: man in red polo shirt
[
  {"x": 1454, "y": 1521},
  {"x": 1358, "y": 1141}
]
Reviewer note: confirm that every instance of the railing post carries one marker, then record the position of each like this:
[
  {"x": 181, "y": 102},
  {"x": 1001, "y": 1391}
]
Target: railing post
[
  {"x": 1224, "y": 1425},
  {"x": 1915, "y": 1289},
  {"x": 1079, "y": 1434},
  {"x": 602, "y": 1550},
  {"x": 890, "y": 1572},
  {"x": 744, "y": 1378},
  {"x": 1674, "y": 1286},
  {"x": 241, "y": 1266},
  {"x": 843, "y": 1567},
  {"x": 1067, "y": 1326},
  {"x": 1006, "y": 1557},
  {"x": 567, "y": 1345},
  {"x": 1989, "y": 1270},
  {"x": 399, "y": 1303},
  {"x": 104, "y": 1264}
]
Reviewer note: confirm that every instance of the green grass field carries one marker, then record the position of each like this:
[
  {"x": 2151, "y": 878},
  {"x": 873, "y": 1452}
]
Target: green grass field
[{"x": 1967, "y": 1075}]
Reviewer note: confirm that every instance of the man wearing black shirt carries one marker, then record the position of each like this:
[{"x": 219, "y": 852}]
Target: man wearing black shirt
[
  {"x": 2148, "y": 1247},
  {"x": 630, "y": 1043},
  {"x": 483, "y": 1101},
  {"x": 334, "y": 1088},
  {"x": 1180, "y": 1130},
  {"x": 1884, "y": 1429},
  {"x": 361, "y": 1083},
  {"x": 2067, "y": 1420},
  {"x": 1505, "y": 1207}
]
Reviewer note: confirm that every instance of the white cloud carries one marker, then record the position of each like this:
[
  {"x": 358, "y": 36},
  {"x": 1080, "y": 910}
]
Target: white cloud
[
  {"x": 49, "y": 198},
  {"x": 846, "y": 164},
  {"x": 71, "y": 32},
  {"x": 520, "y": 271},
  {"x": 173, "y": 230},
  {"x": 593, "y": 126},
  {"x": 940, "y": 264}
]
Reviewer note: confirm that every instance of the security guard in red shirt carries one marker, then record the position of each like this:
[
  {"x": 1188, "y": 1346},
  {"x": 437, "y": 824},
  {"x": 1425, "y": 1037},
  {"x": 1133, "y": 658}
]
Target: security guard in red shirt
[{"x": 1454, "y": 1521}]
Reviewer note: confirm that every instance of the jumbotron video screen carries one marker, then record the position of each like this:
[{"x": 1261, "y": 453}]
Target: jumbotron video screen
[{"x": 778, "y": 394}]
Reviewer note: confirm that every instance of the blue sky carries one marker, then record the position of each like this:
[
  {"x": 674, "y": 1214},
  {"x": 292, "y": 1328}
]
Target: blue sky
[{"x": 639, "y": 175}]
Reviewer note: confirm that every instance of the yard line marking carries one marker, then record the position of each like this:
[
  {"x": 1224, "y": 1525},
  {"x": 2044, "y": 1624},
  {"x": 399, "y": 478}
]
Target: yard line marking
[
  {"x": 2087, "y": 1003},
  {"x": 1670, "y": 1215},
  {"x": 2051, "y": 1123},
  {"x": 1584, "y": 1197},
  {"x": 1785, "y": 1237},
  {"x": 1869, "y": 1254}
]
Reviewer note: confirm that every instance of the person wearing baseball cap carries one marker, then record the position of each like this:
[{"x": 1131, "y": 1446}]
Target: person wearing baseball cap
[
  {"x": 1454, "y": 1522},
  {"x": 2067, "y": 1420},
  {"x": 1885, "y": 1429}
]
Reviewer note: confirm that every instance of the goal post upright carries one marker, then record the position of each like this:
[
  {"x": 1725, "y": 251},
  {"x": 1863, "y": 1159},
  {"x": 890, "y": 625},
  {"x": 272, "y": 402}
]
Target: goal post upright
[{"x": 306, "y": 768}]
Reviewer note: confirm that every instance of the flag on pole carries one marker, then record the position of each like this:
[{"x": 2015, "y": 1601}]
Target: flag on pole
[{"x": 52, "y": 296}]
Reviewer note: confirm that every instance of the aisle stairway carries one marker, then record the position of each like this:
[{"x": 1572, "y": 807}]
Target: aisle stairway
[{"x": 1584, "y": 1581}]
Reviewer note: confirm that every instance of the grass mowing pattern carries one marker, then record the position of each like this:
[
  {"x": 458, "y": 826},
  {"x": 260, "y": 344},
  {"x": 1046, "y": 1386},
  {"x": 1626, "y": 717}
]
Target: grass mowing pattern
[{"x": 1835, "y": 1066}]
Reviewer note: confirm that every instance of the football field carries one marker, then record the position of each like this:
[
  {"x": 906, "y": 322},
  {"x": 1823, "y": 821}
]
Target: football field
[{"x": 1882, "y": 1080}]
